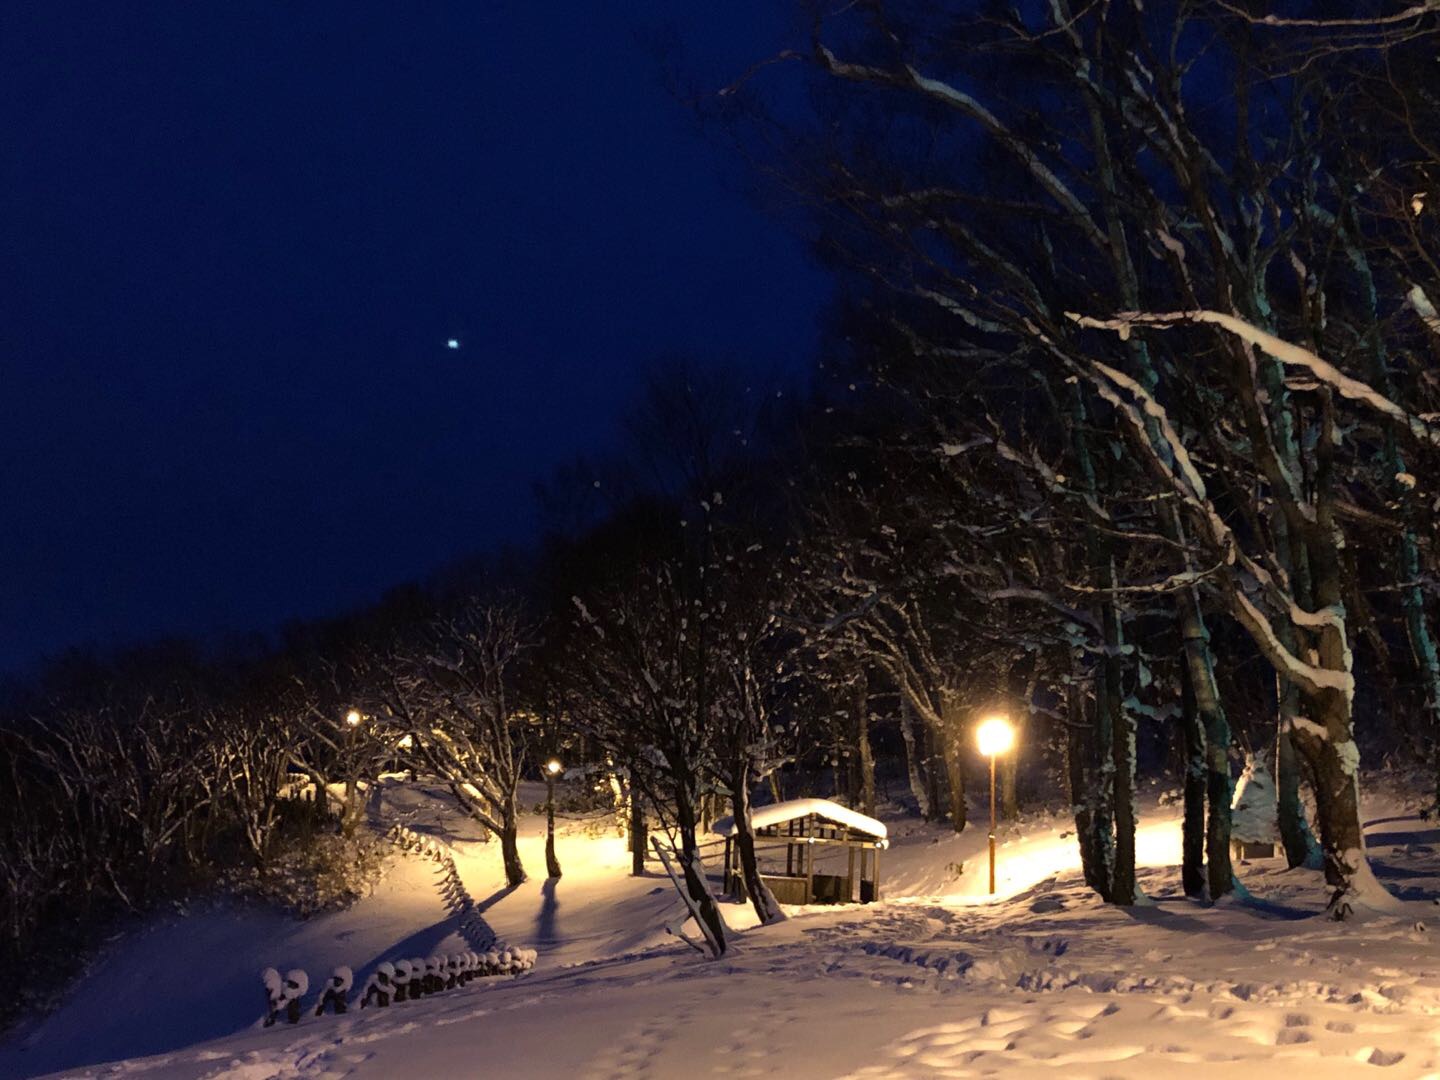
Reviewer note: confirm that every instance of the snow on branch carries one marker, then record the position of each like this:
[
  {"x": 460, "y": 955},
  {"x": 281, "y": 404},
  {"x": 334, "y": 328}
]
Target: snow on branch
[
  {"x": 1016, "y": 592},
  {"x": 1308, "y": 677},
  {"x": 1424, "y": 308},
  {"x": 957, "y": 99},
  {"x": 1283, "y": 351},
  {"x": 979, "y": 322},
  {"x": 1311, "y": 678},
  {"x": 1362, "y": 23},
  {"x": 1185, "y": 579},
  {"x": 1153, "y": 410}
]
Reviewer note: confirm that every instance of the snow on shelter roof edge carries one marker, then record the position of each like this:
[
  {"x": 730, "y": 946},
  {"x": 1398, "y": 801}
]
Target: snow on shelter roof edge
[{"x": 776, "y": 813}]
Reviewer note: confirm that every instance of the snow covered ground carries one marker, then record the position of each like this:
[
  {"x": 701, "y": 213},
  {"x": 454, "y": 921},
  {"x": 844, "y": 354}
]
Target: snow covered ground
[{"x": 937, "y": 980}]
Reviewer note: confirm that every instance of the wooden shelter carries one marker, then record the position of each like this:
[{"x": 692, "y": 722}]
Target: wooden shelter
[{"x": 807, "y": 832}]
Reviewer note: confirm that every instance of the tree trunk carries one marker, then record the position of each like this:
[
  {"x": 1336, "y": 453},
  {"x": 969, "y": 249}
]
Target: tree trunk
[
  {"x": 1324, "y": 732},
  {"x": 552, "y": 864},
  {"x": 1101, "y": 789},
  {"x": 706, "y": 908},
  {"x": 1079, "y": 755},
  {"x": 864, "y": 754},
  {"x": 1010, "y": 767},
  {"x": 1192, "y": 843},
  {"x": 1122, "y": 755},
  {"x": 936, "y": 768},
  {"x": 1326, "y": 740},
  {"x": 1422, "y": 645},
  {"x": 913, "y": 767},
  {"x": 767, "y": 908},
  {"x": 1009, "y": 775},
  {"x": 951, "y": 750},
  {"x": 510, "y": 851},
  {"x": 1200, "y": 669},
  {"x": 638, "y": 837},
  {"x": 1412, "y": 597},
  {"x": 1295, "y": 835}
]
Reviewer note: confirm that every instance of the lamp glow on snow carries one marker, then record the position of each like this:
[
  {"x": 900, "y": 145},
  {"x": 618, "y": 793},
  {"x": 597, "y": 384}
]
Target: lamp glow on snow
[{"x": 995, "y": 736}]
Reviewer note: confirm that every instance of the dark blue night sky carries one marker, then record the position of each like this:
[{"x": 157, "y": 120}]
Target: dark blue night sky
[{"x": 236, "y": 236}]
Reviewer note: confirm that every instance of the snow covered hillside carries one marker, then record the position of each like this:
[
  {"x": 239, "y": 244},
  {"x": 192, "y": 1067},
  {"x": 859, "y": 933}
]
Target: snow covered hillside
[{"x": 934, "y": 981}]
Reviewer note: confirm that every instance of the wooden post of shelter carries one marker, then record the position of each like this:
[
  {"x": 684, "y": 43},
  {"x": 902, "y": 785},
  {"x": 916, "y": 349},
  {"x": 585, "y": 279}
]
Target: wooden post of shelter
[{"x": 810, "y": 860}]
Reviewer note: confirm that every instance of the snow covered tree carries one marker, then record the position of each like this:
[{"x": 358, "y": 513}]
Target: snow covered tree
[
  {"x": 1064, "y": 170},
  {"x": 450, "y": 689}
]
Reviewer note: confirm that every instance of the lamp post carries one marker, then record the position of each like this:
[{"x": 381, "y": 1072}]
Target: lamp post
[
  {"x": 996, "y": 737},
  {"x": 552, "y": 864}
]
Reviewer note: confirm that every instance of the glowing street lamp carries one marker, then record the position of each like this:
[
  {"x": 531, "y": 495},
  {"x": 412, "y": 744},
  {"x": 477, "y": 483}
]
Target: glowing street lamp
[
  {"x": 552, "y": 864},
  {"x": 996, "y": 737},
  {"x": 353, "y": 718}
]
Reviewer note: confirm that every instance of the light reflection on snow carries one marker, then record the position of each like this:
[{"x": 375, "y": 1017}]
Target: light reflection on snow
[{"x": 1023, "y": 863}]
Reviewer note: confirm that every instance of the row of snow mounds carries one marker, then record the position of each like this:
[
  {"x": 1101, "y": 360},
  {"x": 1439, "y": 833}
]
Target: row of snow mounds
[
  {"x": 407, "y": 980},
  {"x": 401, "y": 980},
  {"x": 453, "y": 894},
  {"x": 419, "y": 844},
  {"x": 286, "y": 995}
]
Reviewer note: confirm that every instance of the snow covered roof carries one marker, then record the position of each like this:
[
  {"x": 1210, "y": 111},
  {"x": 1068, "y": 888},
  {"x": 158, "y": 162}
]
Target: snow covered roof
[{"x": 777, "y": 813}]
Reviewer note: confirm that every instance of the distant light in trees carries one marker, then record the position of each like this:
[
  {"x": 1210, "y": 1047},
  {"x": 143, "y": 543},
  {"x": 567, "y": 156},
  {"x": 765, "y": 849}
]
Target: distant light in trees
[
  {"x": 352, "y": 718},
  {"x": 553, "y": 767}
]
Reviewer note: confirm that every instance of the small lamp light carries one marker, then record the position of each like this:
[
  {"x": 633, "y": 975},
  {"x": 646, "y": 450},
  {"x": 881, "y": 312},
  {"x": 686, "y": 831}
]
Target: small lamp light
[
  {"x": 553, "y": 767},
  {"x": 352, "y": 718}
]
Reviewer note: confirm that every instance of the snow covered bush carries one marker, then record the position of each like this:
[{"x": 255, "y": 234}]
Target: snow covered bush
[
  {"x": 400, "y": 975},
  {"x": 323, "y": 871},
  {"x": 386, "y": 979},
  {"x": 337, "y": 991},
  {"x": 296, "y": 985},
  {"x": 1254, "y": 817}
]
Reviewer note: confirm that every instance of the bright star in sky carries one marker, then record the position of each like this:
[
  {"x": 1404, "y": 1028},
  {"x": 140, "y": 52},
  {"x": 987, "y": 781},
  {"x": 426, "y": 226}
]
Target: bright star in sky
[{"x": 453, "y": 343}]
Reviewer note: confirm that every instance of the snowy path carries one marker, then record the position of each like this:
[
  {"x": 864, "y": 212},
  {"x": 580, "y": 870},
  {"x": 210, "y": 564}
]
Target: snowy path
[{"x": 1045, "y": 983}]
